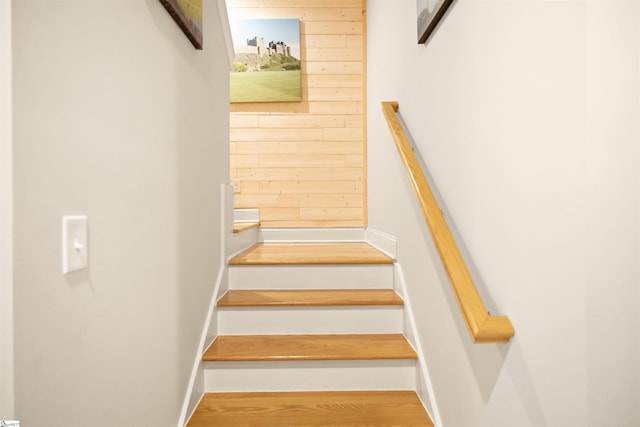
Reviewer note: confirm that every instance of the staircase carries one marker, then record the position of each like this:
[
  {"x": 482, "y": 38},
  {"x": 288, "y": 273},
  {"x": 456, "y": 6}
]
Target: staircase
[{"x": 310, "y": 334}]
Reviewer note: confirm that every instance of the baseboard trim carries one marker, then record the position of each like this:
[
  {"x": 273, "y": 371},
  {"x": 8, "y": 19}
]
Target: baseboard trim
[
  {"x": 240, "y": 242},
  {"x": 195, "y": 387},
  {"x": 424, "y": 385},
  {"x": 382, "y": 241},
  {"x": 236, "y": 243}
]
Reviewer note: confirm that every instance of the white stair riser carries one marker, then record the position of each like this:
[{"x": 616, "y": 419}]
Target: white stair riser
[
  {"x": 311, "y": 277},
  {"x": 246, "y": 215},
  {"x": 312, "y": 234},
  {"x": 310, "y": 320},
  {"x": 310, "y": 375}
]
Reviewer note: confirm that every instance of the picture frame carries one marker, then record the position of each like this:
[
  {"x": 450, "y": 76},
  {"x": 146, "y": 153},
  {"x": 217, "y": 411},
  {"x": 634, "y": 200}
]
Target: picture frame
[
  {"x": 430, "y": 12},
  {"x": 188, "y": 16},
  {"x": 267, "y": 62}
]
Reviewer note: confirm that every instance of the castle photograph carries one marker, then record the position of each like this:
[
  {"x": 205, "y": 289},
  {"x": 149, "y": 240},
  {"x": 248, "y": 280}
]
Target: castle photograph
[{"x": 266, "y": 67}]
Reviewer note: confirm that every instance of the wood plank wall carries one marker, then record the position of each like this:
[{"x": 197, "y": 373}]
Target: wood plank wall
[{"x": 304, "y": 164}]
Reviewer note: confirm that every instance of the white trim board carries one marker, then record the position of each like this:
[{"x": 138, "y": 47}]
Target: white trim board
[
  {"x": 424, "y": 386},
  {"x": 246, "y": 215},
  {"x": 195, "y": 387},
  {"x": 7, "y": 400},
  {"x": 226, "y": 31},
  {"x": 382, "y": 241},
  {"x": 236, "y": 243}
]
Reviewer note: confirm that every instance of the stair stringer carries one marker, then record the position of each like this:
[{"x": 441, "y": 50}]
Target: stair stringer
[
  {"x": 231, "y": 244},
  {"x": 424, "y": 386}
]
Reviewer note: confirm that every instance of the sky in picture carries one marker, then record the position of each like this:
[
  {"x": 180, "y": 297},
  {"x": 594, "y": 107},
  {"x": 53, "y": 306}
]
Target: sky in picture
[{"x": 277, "y": 30}]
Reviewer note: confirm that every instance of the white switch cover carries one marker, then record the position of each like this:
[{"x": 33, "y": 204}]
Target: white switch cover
[{"x": 74, "y": 243}]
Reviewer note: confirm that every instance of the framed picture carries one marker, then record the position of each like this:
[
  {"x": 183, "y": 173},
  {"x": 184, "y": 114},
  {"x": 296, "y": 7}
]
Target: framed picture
[
  {"x": 430, "y": 12},
  {"x": 266, "y": 66},
  {"x": 188, "y": 16}
]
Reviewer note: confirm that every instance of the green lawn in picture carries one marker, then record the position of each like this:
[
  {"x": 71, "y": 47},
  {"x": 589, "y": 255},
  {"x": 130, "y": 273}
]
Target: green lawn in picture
[{"x": 266, "y": 86}]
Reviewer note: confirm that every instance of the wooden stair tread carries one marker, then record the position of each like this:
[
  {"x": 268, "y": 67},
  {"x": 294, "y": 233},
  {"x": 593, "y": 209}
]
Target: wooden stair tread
[
  {"x": 239, "y": 227},
  {"x": 286, "y": 409},
  {"x": 285, "y": 253},
  {"x": 309, "y": 347},
  {"x": 311, "y": 297}
]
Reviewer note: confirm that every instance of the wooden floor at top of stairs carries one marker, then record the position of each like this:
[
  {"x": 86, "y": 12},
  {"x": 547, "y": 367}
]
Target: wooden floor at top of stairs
[
  {"x": 286, "y": 253},
  {"x": 311, "y": 409},
  {"x": 309, "y": 347},
  {"x": 309, "y": 297},
  {"x": 239, "y": 227}
]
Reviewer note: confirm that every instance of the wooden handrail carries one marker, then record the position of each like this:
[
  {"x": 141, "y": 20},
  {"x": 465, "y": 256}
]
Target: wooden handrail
[{"x": 482, "y": 326}]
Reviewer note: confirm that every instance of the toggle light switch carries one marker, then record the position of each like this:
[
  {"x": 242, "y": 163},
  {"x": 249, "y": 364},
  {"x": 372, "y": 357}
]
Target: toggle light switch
[{"x": 74, "y": 243}]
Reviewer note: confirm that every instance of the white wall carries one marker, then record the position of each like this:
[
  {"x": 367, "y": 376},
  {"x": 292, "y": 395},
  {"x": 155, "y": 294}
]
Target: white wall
[
  {"x": 116, "y": 116},
  {"x": 6, "y": 221},
  {"x": 527, "y": 114}
]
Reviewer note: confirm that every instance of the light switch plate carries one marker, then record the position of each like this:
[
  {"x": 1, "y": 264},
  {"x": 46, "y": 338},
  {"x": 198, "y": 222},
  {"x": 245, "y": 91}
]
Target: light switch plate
[{"x": 74, "y": 243}]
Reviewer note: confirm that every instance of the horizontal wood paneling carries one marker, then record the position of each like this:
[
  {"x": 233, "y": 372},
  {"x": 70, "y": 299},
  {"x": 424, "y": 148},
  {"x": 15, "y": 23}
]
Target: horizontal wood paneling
[
  {"x": 332, "y": 94},
  {"x": 330, "y": 213},
  {"x": 314, "y": 41},
  {"x": 303, "y": 4},
  {"x": 297, "y": 160},
  {"x": 305, "y": 200},
  {"x": 337, "y": 54},
  {"x": 280, "y": 134},
  {"x": 332, "y": 27},
  {"x": 293, "y": 147},
  {"x": 303, "y": 163},
  {"x": 302, "y": 121},
  {"x": 330, "y": 67},
  {"x": 332, "y": 81},
  {"x": 309, "y": 14},
  {"x": 296, "y": 134},
  {"x": 298, "y": 174},
  {"x": 302, "y": 187},
  {"x": 241, "y": 121},
  {"x": 322, "y": 107}
]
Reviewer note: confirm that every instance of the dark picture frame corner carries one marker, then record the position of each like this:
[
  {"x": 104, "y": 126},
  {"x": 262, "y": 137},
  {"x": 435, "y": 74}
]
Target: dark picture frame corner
[
  {"x": 188, "y": 15},
  {"x": 430, "y": 13}
]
